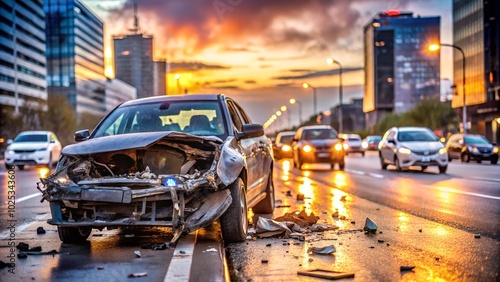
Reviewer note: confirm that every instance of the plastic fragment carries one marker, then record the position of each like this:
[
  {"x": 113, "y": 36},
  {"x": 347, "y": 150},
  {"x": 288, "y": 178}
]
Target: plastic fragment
[
  {"x": 40, "y": 230},
  {"x": 138, "y": 274},
  {"x": 326, "y": 274},
  {"x": 477, "y": 236},
  {"x": 138, "y": 253},
  {"x": 406, "y": 267},
  {"x": 370, "y": 226},
  {"x": 322, "y": 251}
]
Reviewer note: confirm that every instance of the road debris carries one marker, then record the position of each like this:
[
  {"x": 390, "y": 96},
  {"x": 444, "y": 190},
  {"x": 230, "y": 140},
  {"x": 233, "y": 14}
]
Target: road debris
[
  {"x": 35, "y": 249},
  {"x": 326, "y": 274},
  {"x": 34, "y": 253},
  {"x": 335, "y": 213},
  {"x": 284, "y": 206},
  {"x": 343, "y": 198},
  {"x": 322, "y": 251},
  {"x": 23, "y": 246},
  {"x": 270, "y": 228},
  {"x": 301, "y": 218},
  {"x": 40, "y": 230},
  {"x": 318, "y": 227},
  {"x": 406, "y": 267},
  {"x": 288, "y": 193},
  {"x": 211, "y": 250},
  {"x": 300, "y": 197},
  {"x": 138, "y": 274},
  {"x": 264, "y": 261},
  {"x": 380, "y": 241},
  {"x": 420, "y": 230},
  {"x": 477, "y": 236},
  {"x": 138, "y": 253},
  {"x": 370, "y": 226},
  {"x": 22, "y": 255},
  {"x": 268, "y": 245}
]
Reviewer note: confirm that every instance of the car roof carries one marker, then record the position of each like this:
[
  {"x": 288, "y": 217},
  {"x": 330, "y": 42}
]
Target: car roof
[
  {"x": 316, "y": 127},
  {"x": 412, "y": 128},
  {"x": 185, "y": 97},
  {"x": 35, "y": 132},
  {"x": 286, "y": 133}
]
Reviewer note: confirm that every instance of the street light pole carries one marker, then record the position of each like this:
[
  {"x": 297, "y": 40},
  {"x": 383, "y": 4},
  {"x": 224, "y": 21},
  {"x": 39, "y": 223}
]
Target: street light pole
[
  {"x": 307, "y": 85},
  {"x": 341, "y": 119},
  {"x": 435, "y": 47},
  {"x": 293, "y": 101}
]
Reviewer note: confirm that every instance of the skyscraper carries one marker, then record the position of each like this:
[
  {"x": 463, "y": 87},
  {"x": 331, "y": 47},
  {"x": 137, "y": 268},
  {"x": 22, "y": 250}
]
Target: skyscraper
[
  {"x": 133, "y": 59},
  {"x": 476, "y": 29},
  {"x": 399, "y": 72},
  {"x": 22, "y": 53},
  {"x": 75, "y": 55}
]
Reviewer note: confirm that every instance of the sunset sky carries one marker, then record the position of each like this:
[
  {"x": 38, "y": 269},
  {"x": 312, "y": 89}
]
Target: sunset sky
[{"x": 261, "y": 51}]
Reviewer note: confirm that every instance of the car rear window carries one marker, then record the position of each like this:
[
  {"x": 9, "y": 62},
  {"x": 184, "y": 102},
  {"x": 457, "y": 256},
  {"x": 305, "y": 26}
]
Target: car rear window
[
  {"x": 286, "y": 139},
  {"x": 476, "y": 140},
  {"x": 32, "y": 138},
  {"x": 354, "y": 139},
  {"x": 318, "y": 134}
]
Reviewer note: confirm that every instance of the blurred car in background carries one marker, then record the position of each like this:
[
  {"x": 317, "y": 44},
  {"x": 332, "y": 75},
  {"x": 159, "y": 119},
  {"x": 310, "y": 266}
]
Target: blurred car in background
[
  {"x": 282, "y": 146},
  {"x": 471, "y": 147},
  {"x": 353, "y": 144},
  {"x": 32, "y": 148},
  {"x": 318, "y": 144},
  {"x": 412, "y": 146},
  {"x": 371, "y": 142}
]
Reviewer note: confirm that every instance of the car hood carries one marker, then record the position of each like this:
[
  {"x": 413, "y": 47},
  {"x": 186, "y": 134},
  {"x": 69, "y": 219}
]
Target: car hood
[
  {"x": 28, "y": 145},
  {"x": 131, "y": 141},
  {"x": 421, "y": 146}
]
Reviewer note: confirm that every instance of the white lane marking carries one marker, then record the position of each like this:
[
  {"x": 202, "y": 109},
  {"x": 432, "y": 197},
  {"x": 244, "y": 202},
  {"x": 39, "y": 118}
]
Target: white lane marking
[
  {"x": 380, "y": 176},
  {"x": 6, "y": 234},
  {"x": 180, "y": 266},
  {"x": 28, "y": 197},
  {"x": 451, "y": 190},
  {"x": 359, "y": 172},
  {"x": 485, "y": 179}
]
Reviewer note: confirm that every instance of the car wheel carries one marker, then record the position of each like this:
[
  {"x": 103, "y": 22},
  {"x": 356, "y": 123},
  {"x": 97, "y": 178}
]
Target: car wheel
[
  {"x": 234, "y": 222},
  {"x": 8, "y": 166},
  {"x": 494, "y": 161},
  {"x": 465, "y": 158},
  {"x": 266, "y": 206},
  {"x": 50, "y": 164},
  {"x": 363, "y": 155},
  {"x": 424, "y": 167},
  {"x": 442, "y": 169},
  {"x": 21, "y": 167},
  {"x": 341, "y": 166},
  {"x": 397, "y": 164},
  {"x": 478, "y": 161},
  {"x": 382, "y": 163},
  {"x": 73, "y": 235}
]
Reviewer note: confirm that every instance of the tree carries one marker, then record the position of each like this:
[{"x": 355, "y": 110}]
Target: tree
[{"x": 60, "y": 118}]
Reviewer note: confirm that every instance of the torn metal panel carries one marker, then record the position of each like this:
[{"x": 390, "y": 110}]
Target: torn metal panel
[{"x": 231, "y": 163}]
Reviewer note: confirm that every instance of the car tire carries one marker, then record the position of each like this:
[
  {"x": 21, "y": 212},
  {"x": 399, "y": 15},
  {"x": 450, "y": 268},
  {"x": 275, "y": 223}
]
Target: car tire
[
  {"x": 363, "y": 155},
  {"x": 494, "y": 161},
  {"x": 397, "y": 164},
  {"x": 424, "y": 167},
  {"x": 73, "y": 235},
  {"x": 341, "y": 166},
  {"x": 234, "y": 222},
  {"x": 266, "y": 206},
  {"x": 465, "y": 158},
  {"x": 8, "y": 166},
  {"x": 383, "y": 164},
  {"x": 442, "y": 169},
  {"x": 21, "y": 167},
  {"x": 478, "y": 161}
]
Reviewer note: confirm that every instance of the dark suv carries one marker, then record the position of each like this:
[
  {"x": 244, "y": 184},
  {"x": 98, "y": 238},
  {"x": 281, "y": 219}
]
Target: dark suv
[
  {"x": 318, "y": 144},
  {"x": 471, "y": 147}
]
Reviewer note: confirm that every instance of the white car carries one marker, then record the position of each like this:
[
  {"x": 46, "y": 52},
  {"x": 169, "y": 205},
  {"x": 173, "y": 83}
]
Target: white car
[
  {"x": 353, "y": 144},
  {"x": 32, "y": 148},
  {"x": 412, "y": 146}
]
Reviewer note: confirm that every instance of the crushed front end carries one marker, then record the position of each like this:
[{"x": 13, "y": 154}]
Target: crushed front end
[{"x": 162, "y": 180}]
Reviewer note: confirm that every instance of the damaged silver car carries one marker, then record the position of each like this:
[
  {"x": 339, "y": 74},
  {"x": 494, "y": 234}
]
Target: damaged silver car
[{"x": 175, "y": 161}]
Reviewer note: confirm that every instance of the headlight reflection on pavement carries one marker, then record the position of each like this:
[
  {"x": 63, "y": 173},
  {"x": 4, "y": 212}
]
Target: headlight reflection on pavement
[
  {"x": 307, "y": 190},
  {"x": 43, "y": 172},
  {"x": 286, "y": 165}
]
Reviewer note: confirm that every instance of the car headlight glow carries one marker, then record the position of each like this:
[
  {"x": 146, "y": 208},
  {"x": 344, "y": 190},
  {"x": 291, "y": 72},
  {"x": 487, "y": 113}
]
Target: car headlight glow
[
  {"x": 286, "y": 148},
  {"x": 364, "y": 145},
  {"x": 475, "y": 150},
  {"x": 404, "y": 150},
  {"x": 442, "y": 151},
  {"x": 338, "y": 147},
  {"x": 307, "y": 148},
  {"x": 346, "y": 146},
  {"x": 10, "y": 152},
  {"x": 495, "y": 150}
]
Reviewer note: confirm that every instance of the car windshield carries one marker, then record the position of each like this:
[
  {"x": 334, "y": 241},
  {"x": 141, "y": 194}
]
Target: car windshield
[
  {"x": 202, "y": 118},
  {"x": 316, "y": 134},
  {"x": 285, "y": 139},
  {"x": 476, "y": 140},
  {"x": 31, "y": 138},
  {"x": 374, "y": 139},
  {"x": 416, "y": 136}
]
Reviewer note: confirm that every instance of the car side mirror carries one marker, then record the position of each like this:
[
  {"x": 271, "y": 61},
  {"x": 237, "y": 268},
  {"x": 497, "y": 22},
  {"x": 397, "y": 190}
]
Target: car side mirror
[
  {"x": 250, "y": 131},
  {"x": 494, "y": 144},
  {"x": 9, "y": 141},
  {"x": 82, "y": 135}
]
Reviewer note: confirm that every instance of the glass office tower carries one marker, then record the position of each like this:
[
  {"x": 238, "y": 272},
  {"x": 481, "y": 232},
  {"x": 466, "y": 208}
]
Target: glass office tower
[
  {"x": 22, "y": 53},
  {"x": 399, "y": 71},
  {"x": 75, "y": 56}
]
